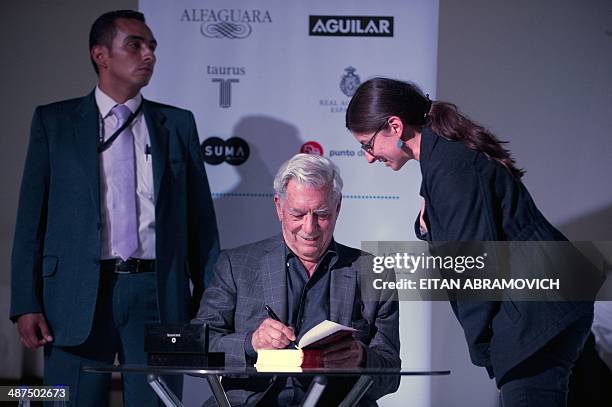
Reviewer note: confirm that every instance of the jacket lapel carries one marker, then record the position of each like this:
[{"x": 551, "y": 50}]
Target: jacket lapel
[
  {"x": 159, "y": 142},
  {"x": 87, "y": 135},
  {"x": 342, "y": 291},
  {"x": 275, "y": 278}
]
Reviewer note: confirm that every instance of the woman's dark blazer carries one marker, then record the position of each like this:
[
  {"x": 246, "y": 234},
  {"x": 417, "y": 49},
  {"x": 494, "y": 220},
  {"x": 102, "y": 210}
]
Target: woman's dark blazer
[{"x": 472, "y": 198}]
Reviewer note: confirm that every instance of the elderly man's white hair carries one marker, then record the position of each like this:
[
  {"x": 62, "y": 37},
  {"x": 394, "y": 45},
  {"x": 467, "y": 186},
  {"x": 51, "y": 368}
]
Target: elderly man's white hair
[{"x": 309, "y": 169}]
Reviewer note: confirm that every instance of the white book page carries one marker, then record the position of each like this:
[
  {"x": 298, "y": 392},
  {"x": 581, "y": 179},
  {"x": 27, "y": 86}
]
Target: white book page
[{"x": 320, "y": 331}]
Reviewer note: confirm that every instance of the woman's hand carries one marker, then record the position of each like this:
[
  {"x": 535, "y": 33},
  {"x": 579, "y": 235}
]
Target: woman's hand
[{"x": 422, "y": 220}]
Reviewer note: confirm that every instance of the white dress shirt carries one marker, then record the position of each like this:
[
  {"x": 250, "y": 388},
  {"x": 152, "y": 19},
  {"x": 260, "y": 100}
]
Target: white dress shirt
[{"x": 145, "y": 201}]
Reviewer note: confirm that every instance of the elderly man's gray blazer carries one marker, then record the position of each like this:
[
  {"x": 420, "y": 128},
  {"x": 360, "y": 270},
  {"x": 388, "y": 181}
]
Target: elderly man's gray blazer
[{"x": 248, "y": 277}]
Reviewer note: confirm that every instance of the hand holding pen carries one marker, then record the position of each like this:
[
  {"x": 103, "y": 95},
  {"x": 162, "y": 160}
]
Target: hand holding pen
[
  {"x": 272, "y": 334},
  {"x": 275, "y": 317}
]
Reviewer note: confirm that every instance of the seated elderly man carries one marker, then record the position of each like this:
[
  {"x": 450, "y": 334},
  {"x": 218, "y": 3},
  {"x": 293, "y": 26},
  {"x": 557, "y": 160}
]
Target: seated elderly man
[{"x": 305, "y": 277}]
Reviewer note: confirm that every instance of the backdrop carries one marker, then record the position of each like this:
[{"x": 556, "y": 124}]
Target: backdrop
[{"x": 268, "y": 80}]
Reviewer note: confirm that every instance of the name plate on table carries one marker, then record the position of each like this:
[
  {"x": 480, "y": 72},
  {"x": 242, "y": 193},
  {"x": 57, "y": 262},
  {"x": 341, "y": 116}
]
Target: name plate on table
[{"x": 180, "y": 345}]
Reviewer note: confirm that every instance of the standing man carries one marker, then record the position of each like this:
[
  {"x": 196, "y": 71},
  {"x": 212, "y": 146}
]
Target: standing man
[{"x": 115, "y": 218}]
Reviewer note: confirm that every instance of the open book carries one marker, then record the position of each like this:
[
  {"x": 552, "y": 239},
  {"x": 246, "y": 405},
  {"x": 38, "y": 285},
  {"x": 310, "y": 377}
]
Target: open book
[{"x": 311, "y": 345}]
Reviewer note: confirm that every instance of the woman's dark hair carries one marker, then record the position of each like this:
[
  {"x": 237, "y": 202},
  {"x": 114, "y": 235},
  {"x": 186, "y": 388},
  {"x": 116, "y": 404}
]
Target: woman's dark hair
[
  {"x": 380, "y": 98},
  {"x": 103, "y": 30}
]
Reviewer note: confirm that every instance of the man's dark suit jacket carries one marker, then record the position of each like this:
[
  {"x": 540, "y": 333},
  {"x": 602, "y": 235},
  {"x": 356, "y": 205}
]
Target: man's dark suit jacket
[
  {"x": 251, "y": 276},
  {"x": 472, "y": 198},
  {"x": 56, "y": 251}
]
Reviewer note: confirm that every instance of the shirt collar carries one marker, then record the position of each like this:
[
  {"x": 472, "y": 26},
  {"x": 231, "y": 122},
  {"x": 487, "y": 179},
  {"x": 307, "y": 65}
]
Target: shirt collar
[
  {"x": 106, "y": 103},
  {"x": 332, "y": 250}
]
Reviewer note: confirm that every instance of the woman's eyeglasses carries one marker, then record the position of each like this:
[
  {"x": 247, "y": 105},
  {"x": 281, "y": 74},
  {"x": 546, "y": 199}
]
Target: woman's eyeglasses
[{"x": 369, "y": 146}]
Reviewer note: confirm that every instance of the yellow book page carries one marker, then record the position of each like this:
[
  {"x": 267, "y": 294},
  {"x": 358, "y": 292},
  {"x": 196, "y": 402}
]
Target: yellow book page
[{"x": 279, "y": 357}]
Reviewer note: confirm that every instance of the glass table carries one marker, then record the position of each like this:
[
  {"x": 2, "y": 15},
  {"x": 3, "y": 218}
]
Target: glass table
[{"x": 214, "y": 375}]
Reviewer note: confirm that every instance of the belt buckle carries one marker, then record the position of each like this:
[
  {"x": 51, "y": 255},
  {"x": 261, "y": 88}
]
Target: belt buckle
[{"x": 117, "y": 271}]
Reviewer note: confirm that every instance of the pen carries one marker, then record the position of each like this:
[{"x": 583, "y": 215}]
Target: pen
[{"x": 275, "y": 317}]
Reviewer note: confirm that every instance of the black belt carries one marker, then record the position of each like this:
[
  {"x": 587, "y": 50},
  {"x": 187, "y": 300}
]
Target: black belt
[{"x": 129, "y": 266}]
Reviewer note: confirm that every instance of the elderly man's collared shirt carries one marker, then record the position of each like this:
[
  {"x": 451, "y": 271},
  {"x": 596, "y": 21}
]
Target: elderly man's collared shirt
[
  {"x": 308, "y": 297},
  {"x": 307, "y": 304}
]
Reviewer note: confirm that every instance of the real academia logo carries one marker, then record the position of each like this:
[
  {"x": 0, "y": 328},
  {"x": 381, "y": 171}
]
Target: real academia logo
[
  {"x": 234, "y": 151},
  {"x": 349, "y": 82},
  {"x": 226, "y": 23},
  {"x": 351, "y": 26}
]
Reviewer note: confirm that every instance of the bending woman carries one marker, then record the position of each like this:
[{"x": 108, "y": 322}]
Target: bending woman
[{"x": 472, "y": 191}]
